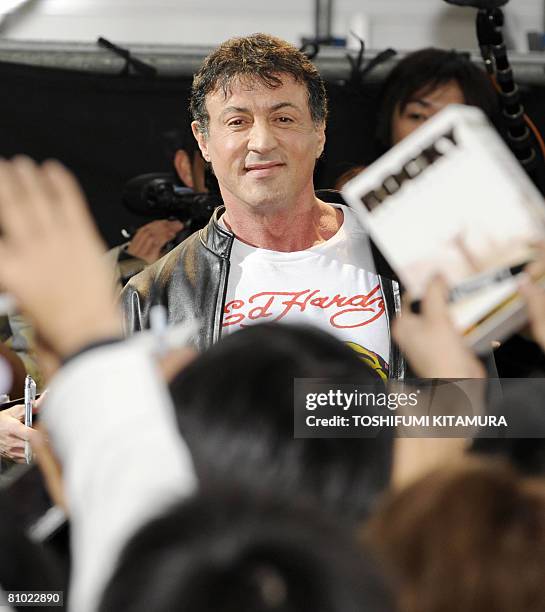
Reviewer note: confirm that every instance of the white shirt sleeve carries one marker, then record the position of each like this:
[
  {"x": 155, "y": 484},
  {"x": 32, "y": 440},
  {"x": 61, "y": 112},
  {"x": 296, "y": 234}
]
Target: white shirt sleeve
[
  {"x": 4, "y": 607},
  {"x": 111, "y": 422}
]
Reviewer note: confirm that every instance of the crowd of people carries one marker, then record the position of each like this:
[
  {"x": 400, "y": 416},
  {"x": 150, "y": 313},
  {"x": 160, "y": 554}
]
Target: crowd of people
[{"x": 167, "y": 432}]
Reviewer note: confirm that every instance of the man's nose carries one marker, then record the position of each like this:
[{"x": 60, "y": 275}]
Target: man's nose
[{"x": 261, "y": 137}]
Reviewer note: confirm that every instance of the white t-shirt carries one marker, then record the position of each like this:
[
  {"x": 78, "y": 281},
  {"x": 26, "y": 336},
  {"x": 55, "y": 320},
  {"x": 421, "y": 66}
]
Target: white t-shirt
[{"x": 332, "y": 285}]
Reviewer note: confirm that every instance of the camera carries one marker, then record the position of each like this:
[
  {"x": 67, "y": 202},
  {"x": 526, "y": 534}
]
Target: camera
[{"x": 160, "y": 196}]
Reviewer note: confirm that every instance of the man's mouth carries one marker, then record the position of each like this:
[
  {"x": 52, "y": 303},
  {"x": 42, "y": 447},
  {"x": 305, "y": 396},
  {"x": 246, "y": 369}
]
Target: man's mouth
[{"x": 263, "y": 168}]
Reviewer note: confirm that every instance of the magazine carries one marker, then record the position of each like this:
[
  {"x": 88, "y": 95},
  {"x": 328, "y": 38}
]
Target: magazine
[{"x": 451, "y": 199}]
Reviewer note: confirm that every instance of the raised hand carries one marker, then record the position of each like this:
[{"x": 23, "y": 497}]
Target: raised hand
[
  {"x": 431, "y": 343},
  {"x": 51, "y": 256}
]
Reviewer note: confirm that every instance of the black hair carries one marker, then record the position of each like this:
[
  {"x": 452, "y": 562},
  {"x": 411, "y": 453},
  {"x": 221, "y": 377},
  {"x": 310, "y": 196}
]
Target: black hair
[
  {"x": 179, "y": 137},
  {"x": 425, "y": 70},
  {"x": 522, "y": 406},
  {"x": 24, "y": 564},
  {"x": 235, "y": 409},
  {"x": 222, "y": 554}
]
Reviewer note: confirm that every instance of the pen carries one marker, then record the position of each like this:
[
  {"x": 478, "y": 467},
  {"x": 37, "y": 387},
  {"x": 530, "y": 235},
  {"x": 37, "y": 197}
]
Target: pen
[
  {"x": 158, "y": 326},
  {"x": 30, "y": 396},
  {"x": 466, "y": 288}
]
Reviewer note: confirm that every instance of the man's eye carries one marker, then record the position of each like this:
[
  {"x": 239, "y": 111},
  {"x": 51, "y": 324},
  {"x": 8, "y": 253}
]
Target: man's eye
[
  {"x": 417, "y": 116},
  {"x": 284, "y": 119},
  {"x": 235, "y": 122}
]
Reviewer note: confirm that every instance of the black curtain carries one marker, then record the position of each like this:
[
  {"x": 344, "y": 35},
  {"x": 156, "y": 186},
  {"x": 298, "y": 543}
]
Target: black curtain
[{"x": 108, "y": 129}]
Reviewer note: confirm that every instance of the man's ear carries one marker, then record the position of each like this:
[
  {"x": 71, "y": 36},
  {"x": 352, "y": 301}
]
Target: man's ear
[
  {"x": 201, "y": 140},
  {"x": 182, "y": 164},
  {"x": 320, "y": 130}
]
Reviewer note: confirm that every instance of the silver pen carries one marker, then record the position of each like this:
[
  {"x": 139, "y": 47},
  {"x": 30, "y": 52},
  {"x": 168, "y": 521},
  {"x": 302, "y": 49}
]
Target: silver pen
[{"x": 30, "y": 396}]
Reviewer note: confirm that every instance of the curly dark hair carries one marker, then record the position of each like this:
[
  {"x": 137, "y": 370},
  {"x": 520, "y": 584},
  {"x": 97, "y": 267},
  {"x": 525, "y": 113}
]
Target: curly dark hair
[{"x": 262, "y": 58}]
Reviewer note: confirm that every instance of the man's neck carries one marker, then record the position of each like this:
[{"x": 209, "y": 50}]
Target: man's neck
[{"x": 287, "y": 230}]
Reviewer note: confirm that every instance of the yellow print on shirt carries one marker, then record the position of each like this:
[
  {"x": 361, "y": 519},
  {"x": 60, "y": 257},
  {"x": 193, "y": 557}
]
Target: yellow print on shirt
[{"x": 372, "y": 359}]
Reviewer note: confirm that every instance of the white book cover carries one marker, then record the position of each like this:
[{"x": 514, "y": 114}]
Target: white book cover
[{"x": 452, "y": 199}]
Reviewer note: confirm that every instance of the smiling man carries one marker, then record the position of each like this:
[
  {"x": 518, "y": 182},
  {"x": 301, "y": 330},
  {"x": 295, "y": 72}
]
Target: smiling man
[{"x": 275, "y": 251}]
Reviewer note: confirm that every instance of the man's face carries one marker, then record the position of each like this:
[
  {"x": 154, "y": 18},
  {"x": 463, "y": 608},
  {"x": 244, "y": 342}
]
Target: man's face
[
  {"x": 422, "y": 106},
  {"x": 262, "y": 143}
]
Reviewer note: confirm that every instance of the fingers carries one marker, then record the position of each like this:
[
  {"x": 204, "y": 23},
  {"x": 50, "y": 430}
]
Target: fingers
[
  {"x": 145, "y": 249},
  {"x": 534, "y": 296},
  {"x": 176, "y": 225},
  {"x": 430, "y": 341},
  {"x": 38, "y": 403},
  {"x": 34, "y": 199},
  {"x": 433, "y": 308},
  {"x": 16, "y": 454},
  {"x": 13, "y": 218},
  {"x": 536, "y": 269},
  {"x": 142, "y": 244},
  {"x": 17, "y": 412},
  {"x": 13, "y": 435},
  {"x": 435, "y": 300},
  {"x": 67, "y": 193},
  {"x": 25, "y": 199},
  {"x": 17, "y": 431},
  {"x": 57, "y": 275},
  {"x": 161, "y": 231},
  {"x": 35, "y": 196},
  {"x": 150, "y": 239}
]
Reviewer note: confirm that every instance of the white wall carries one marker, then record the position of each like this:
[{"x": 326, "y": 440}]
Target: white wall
[{"x": 403, "y": 24}]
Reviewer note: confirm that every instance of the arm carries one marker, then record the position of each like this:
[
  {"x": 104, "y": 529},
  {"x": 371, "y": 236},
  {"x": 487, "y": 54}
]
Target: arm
[
  {"x": 123, "y": 458},
  {"x": 108, "y": 415},
  {"x": 434, "y": 349}
]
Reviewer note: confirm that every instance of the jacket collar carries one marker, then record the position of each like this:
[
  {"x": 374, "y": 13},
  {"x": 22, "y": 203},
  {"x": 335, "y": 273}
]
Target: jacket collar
[{"x": 217, "y": 238}]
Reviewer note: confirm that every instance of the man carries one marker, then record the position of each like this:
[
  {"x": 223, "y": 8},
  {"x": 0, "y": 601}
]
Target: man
[
  {"x": 155, "y": 238},
  {"x": 275, "y": 251}
]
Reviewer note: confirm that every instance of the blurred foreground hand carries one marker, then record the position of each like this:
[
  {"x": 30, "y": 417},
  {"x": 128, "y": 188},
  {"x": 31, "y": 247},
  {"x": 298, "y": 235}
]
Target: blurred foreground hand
[{"x": 51, "y": 256}]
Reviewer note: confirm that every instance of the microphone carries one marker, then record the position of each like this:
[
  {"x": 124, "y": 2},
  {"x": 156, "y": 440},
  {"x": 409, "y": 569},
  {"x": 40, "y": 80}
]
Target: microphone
[{"x": 479, "y": 4}]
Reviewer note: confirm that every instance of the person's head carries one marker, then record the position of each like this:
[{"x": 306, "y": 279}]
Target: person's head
[
  {"x": 182, "y": 150},
  {"x": 234, "y": 555},
  {"x": 235, "y": 409},
  {"x": 466, "y": 538},
  {"x": 425, "y": 82},
  {"x": 522, "y": 405},
  {"x": 259, "y": 108},
  {"x": 24, "y": 564}
]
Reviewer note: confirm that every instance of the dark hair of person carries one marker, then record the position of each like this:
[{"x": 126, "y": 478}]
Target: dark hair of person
[
  {"x": 225, "y": 555},
  {"x": 24, "y": 564},
  {"x": 235, "y": 410},
  {"x": 467, "y": 538},
  {"x": 257, "y": 58},
  {"x": 522, "y": 405},
  {"x": 179, "y": 137},
  {"x": 423, "y": 71}
]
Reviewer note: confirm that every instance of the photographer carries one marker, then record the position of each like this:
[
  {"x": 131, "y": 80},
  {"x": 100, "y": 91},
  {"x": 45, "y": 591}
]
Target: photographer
[{"x": 171, "y": 203}]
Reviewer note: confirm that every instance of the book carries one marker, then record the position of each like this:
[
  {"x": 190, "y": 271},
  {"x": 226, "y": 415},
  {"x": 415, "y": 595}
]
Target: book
[{"x": 451, "y": 199}]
